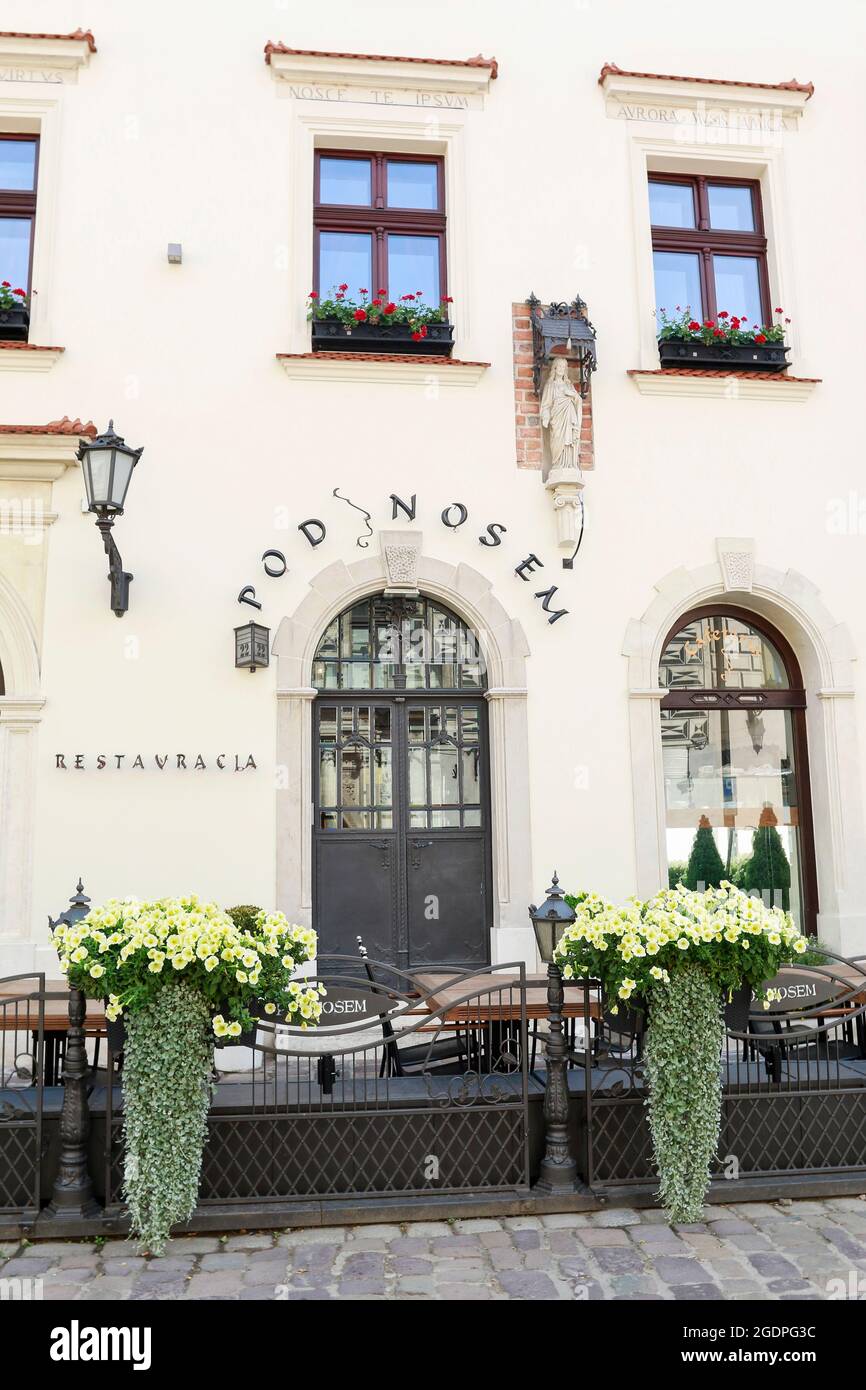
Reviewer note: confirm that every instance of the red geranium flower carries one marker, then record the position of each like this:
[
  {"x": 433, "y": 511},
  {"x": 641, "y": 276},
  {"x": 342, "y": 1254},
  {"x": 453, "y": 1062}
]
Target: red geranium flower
[
  {"x": 446, "y": 299},
  {"x": 377, "y": 301},
  {"x": 723, "y": 313},
  {"x": 359, "y": 315},
  {"x": 313, "y": 294},
  {"x": 407, "y": 296},
  {"x": 23, "y": 293},
  {"x": 717, "y": 333},
  {"x": 381, "y": 291},
  {"x": 339, "y": 296},
  {"x": 694, "y": 326},
  {"x": 390, "y": 308},
  {"x": 423, "y": 330},
  {"x": 4, "y": 284},
  {"x": 709, "y": 323},
  {"x": 342, "y": 287},
  {"x": 416, "y": 337},
  {"x": 760, "y": 337},
  {"x": 363, "y": 291},
  {"x": 780, "y": 310}
]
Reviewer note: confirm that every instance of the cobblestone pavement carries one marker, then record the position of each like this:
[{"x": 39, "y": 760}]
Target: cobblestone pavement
[{"x": 751, "y": 1251}]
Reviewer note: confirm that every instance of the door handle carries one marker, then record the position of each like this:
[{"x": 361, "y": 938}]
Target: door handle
[{"x": 418, "y": 845}]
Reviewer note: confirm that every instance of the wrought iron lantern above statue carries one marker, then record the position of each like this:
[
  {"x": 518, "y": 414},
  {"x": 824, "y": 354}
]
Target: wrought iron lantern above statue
[
  {"x": 550, "y": 920},
  {"x": 252, "y": 646},
  {"x": 563, "y": 327},
  {"x": 107, "y": 463}
]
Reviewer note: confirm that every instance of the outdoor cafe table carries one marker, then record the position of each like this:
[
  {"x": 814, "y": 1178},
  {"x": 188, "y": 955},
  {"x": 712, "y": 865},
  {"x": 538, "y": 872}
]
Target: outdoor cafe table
[
  {"x": 496, "y": 998},
  {"x": 56, "y": 1018}
]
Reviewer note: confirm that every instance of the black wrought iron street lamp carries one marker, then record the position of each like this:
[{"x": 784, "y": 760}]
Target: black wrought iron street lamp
[
  {"x": 107, "y": 463},
  {"x": 550, "y": 921},
  {"x": 558, "y": 1172},
  {"x": 252, "y": 646}
]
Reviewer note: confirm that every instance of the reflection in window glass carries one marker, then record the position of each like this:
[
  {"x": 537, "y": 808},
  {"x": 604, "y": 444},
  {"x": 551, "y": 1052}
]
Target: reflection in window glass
[
  {"x": 345, "y": 181},
  {"x": 412, "y": 185},
  {"x": 730, "y": 208},
  {"x": 345, "y": 258},
  {"x": 731, "y": 802},
  {"x": 18, "y": 165},
  {"x": 671, "y": 204},
  {"x": 413, "y": 265},
  {"x": 678, "y": 282},
  {"x": 737, "y": 286},
  {"x": 15, "y": 251},
  {"x": 721, "y": 653}
]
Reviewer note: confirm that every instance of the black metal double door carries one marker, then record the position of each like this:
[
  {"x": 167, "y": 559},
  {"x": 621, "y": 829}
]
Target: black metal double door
[{"x": 401, "y": 838}]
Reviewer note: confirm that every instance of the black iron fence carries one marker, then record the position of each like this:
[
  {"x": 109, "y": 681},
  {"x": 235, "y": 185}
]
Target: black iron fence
[{"x": 441, "y": 1086}]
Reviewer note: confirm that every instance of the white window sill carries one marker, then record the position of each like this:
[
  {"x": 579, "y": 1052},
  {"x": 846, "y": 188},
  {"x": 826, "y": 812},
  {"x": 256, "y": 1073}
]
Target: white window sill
[
  {"x": 747, "y": 386},
  {"x": 366, "y": 367},
  {"x": 28, "y": 357}
]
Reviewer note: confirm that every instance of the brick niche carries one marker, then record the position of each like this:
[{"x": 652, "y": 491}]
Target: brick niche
[{"x": 527, "y": 418}]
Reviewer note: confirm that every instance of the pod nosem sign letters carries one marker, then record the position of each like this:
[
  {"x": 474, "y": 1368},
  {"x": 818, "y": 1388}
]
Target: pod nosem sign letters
[
  {"x": 174, "y": 762},
  {"x": 453, "y": 516}
]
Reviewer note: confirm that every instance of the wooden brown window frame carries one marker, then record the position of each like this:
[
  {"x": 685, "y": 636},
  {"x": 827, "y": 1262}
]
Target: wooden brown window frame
[
  {"x": 701, "y": 239},
  {"x": 378, "y": 219},
  {"x": 793, "y": 699},
  {"x": 19, "y": 202}
]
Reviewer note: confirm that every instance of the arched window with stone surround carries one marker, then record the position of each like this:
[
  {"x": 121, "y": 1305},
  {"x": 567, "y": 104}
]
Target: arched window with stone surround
[
  {"x": 734, "y": 759},
  {"x": 401, "y": 785}
]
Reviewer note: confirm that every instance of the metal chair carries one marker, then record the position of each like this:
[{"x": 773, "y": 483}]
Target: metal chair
[{"x": 419, "y": 1057}]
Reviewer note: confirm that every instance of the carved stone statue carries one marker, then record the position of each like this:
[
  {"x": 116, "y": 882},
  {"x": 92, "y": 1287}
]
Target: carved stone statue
[{"x": 561, "y": 411}]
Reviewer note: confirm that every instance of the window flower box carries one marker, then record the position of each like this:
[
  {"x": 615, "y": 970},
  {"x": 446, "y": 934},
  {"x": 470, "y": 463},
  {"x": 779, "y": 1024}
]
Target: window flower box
[
  {"x": 14, "y": 314},
  {"x": 407, "y": 326},
  {"x": 723, "y": 356},
  {"x": 330, "y": 335},
  {"x": 726, "y": 342}
]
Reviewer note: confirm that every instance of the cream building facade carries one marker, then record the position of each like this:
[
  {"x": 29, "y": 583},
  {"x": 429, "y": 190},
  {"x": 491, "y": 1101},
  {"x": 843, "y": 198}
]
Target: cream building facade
[{"x": 723, "y": 545}]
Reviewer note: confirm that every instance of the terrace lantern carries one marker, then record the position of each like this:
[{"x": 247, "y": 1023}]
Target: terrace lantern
[{"x": 550, "y": 920}]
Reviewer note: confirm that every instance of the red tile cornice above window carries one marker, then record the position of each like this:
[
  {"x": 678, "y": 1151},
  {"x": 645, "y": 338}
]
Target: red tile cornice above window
[
  {"x": 64, "y": 426},
  {"x": 611, "y": 70},
  {"x": 477, "y": 62}
]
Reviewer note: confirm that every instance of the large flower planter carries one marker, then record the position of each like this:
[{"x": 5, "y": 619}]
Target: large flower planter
[
  {"x": 330, "y": 335},
  {"x": 14, "y": 324},
  {"x": 739, "y": 357},
  {"x": 117, "y": 1037}
]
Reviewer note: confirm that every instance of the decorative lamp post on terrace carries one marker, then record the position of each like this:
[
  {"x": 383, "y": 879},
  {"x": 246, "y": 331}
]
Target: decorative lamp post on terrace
[
  {"x": 107, "y": 463},
  {"x": 558, "y": 1171}
]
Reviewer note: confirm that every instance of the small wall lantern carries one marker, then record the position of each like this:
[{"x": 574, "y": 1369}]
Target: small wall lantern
[
  {"x": 252, "y": 646},
  {"x": 107, "y": 463},
  {"x": 550, "y": 920}
]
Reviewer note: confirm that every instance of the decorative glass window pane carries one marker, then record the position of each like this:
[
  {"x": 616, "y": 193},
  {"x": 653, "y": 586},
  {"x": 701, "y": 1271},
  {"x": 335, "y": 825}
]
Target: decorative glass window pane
[
  {"x": 417, "y": 777},
  {"x": 416, "y": 726},
  {"x": 444, "y": 820},
  {"x": 678, "y": 281},
  {"x": 413, "y": 267},
  {"x": 328, "y": 724},
  {"x": 355, "y": 777},
  {"x": 471, "y": 776},
  {"x": 411, "y": 640},
  {"x": 418, "y": 820},
  {"x": 721, "y": 653},
  {"x": 382, "y": 777},
  {"x": 329, "y": 820},
  {"x": 472, "y": 819},
  {"x": 730, "y": 208},
  {"x": 345, "y": 257},
  {"x": 412, "y": 185},
  {"x": 444, "y": 788},
  {"x": 345, "y": 181},
  {"x": 737, "y": 286},
  {"x": 15, "y": 250},
  {"x": 328, "y": 777},
  {"x": 671, "y": 205},
  {"x": 18, "y": 166}
]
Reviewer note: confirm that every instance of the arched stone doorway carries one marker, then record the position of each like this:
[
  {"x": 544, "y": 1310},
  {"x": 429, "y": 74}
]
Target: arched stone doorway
[{"x": 467, "y": 594}]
